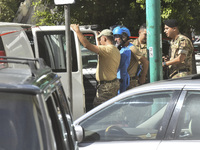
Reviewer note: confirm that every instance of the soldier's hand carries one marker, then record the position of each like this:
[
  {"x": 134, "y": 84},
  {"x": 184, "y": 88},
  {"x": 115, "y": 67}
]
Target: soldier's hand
[{"x": 75, "y": 27}]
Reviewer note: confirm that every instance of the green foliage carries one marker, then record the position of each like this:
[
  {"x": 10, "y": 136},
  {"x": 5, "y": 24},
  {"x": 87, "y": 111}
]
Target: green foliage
[
  {"x": 103, "y": 12},
  {"x": 8, "y": 9},
  {"x": 46, "y": 13},
  {"x": 185, "y": 11},
  {"x": 131, "y": 13}
]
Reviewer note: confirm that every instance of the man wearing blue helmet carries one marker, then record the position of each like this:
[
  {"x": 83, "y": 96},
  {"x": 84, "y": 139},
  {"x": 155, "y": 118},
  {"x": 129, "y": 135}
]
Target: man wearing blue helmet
[{"x": 121, "y": 37}]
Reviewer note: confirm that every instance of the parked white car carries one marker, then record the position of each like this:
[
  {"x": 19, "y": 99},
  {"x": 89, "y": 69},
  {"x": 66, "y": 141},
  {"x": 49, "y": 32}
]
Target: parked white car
[
  {"x": 196, "y": 45},
  {"x": 157, "y": 116}
]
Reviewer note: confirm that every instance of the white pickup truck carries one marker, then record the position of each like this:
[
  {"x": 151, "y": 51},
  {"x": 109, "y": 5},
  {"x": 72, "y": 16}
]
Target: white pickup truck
[{"x": 48, "y": 42}]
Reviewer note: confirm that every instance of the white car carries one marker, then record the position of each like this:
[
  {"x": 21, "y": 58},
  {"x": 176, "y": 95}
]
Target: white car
[
  {"x": 197, "y": 58},
  {"x": 157, "y": 116},
  {"x": 196, "y": 45},
  {"x": 49, "y": 43}
]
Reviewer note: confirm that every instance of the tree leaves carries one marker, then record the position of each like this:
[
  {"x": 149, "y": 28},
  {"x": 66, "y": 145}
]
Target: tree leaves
[
  {"x": 131, "y": 13},
  {"x": 8, "y": 9}
]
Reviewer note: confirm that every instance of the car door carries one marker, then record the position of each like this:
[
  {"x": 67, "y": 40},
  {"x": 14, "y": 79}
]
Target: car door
[
  {"x": 135, "y": 122},
  {"x": 183, "y": 132},
  {"x": 59, "y": 112},
  {"x": 50, "y": 44}
]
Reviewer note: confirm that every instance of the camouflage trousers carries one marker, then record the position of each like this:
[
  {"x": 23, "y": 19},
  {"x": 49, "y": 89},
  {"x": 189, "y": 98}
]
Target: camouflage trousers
[
  {"x": 180, "y": 74},
  {"x": 106, "y": 91},
  {"x": 133, "y": 83}
]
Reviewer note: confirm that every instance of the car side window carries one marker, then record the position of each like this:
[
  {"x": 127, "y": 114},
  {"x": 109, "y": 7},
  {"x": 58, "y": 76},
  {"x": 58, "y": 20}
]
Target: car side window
[
  {"x": 65, "y": 110},
  {"x": 59, "y": 129},
  {"x": 136, "y": 117},
  {"x": 188, "y": 127},
  {"x": 52, "y": 48}
]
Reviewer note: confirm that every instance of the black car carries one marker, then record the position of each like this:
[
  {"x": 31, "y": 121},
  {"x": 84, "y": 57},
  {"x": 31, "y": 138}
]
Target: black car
[{"x": 34, "y": 111}]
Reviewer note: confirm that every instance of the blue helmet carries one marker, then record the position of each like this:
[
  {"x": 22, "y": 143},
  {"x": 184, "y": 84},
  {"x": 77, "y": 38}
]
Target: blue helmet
[{"x": 121, "y": 29}]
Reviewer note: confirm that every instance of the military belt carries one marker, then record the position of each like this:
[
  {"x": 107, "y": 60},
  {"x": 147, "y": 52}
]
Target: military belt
[{"x": 103, "y": 82}]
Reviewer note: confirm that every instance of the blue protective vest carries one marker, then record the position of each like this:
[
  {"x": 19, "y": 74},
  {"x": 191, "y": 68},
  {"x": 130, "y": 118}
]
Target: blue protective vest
[{"x": 122, "y": 70}]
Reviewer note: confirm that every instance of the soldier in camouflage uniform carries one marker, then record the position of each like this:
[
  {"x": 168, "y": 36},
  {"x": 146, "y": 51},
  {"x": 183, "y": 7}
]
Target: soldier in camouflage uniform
[
  {"x": 107, "y": 66},
  {"x": 138, "y": 57},
  {"x": 181, "y": 49},
  {"x": 140, "y": 42}
]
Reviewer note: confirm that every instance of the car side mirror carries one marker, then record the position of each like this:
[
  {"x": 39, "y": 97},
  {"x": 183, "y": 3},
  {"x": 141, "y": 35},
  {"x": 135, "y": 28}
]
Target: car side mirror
[{"x": 80, "y": 134}]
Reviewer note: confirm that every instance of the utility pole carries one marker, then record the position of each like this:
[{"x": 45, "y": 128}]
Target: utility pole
[
  {"x": 154, "y": 39},
  {"x": 68, "y": 47},
  {"x": 68, "y": 54}
]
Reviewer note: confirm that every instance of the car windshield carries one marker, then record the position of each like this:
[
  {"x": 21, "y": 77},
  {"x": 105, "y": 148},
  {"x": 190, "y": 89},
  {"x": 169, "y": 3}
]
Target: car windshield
[
  {"x": 135, "y": 117},
  {"x": 21, "y": 124}
]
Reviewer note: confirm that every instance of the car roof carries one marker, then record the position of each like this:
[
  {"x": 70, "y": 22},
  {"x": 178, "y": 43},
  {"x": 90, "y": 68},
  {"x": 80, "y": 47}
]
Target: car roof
[
  {"x": 25, "y": 80},
  {"x": 170, "y": 84},
  {"x": 6, "y": 24}
]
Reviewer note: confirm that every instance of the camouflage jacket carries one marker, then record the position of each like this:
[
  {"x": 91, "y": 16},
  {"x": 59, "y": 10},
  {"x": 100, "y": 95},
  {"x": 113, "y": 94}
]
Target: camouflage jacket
[{"x": 181, "y": 45}]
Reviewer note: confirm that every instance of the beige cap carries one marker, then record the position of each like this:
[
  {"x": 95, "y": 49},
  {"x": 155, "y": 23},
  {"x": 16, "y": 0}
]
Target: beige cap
[{"x": 105, "y": 32}]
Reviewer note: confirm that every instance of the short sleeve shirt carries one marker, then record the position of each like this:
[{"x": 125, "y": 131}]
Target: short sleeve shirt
[
  {"x": 142, "y": 47},
  {"x": 108, "y": 63}
]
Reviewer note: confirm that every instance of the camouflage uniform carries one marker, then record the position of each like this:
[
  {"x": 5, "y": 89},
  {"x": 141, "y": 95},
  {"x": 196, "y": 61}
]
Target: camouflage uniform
[
  {"x": 138, "y": 51},
  {"x": 106, "y": 73},
  {"x": 136, "y": 54},
  {"x": 182, "y": 45},
  {"x": 133, "y": 83},
  {"x": 106, "y": 91}
]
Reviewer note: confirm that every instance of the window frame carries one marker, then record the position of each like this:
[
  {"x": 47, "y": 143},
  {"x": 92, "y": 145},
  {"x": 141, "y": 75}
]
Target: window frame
[
  {"x": 166, "y": 116},
  {"x": 171, "y": 131},
  {"x": 49, "y": 52},
  {"x": 178, "y": 113}
]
